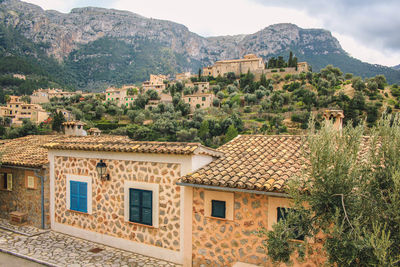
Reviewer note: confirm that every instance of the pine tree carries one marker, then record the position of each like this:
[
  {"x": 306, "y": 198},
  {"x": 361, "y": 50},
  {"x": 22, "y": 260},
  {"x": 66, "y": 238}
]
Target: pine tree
[
  {"x": 263, "y": 80},
  {"x": 58, "y": 120},
  {"x": 231, "y": 133},
  {"x": 290, "y": 62}
]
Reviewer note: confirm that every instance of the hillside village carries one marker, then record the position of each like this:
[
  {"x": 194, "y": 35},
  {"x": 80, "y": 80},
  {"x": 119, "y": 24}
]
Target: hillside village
[{"x": 183, "y": 171}]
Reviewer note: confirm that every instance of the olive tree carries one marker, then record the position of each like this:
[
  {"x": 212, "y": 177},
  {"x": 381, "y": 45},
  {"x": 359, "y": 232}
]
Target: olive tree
[{"x": 347, "y": 197}]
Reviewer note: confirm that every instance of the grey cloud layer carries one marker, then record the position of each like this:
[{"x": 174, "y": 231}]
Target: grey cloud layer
[{"x": 373, "y": 22}]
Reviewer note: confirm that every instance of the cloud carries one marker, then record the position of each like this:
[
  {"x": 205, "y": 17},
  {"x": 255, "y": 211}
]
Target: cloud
[
  {"x": 211, "y": 18},
  {"x": 375, "y": 23}
]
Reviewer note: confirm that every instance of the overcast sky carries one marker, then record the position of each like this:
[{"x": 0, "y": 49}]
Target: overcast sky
[{"x": 367, "y": 29}]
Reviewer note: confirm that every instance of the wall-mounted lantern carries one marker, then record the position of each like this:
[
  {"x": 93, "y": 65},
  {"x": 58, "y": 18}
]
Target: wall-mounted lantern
[{"x": 101, "y": 169}]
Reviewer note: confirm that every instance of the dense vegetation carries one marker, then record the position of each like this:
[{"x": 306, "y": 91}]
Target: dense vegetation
[
  {"x": 352, "y": 191},
  {"x": 282, "y": 104}
]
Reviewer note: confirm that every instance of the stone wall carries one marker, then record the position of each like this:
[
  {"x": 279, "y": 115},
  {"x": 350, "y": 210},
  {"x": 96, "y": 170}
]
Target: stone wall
[
  {"x": 23, "y": 199},
  {"x": 218, "y": 242},
  {"x": 108, "y": 200}
]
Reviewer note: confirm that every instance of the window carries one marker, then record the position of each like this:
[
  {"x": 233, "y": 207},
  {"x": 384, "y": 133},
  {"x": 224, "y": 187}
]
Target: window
[
  {"x": 30, "y": 182},
  {"x": 203, "y": 98},
  {"x": 79, "y": 193},
  {"x": 218, "y": 209},
  {"x": 6, "y": 181},
  {"x": 141, "y": 203},
  {"x": 140, "y": 206},
  {"x": 78, "y": 196},
  {"x": 218, "y": 204}
]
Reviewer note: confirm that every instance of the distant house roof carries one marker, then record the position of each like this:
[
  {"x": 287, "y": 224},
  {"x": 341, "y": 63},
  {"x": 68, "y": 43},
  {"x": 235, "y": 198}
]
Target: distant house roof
[
  {"x": 26, "y": 151},
  {"x": 124, "y": 144},
  {"x": 253, "y": 162}
]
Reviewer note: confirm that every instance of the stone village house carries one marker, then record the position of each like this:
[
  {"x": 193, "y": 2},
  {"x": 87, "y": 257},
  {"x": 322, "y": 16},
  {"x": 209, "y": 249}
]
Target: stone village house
[
  {"x": 180, "y": 202},
  {"x": 24, "y": 179},
  {"x": 123, "y": 193}
]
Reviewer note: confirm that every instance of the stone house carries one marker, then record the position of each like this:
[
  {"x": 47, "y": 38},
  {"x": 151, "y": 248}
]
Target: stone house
[
  {"x": 18, "y": 110},
  {"x": 123, "y": 193},
  {"x": 24, "y": 179},
  {"x": 238, "y": 66},
  {"x": 241, "y": 193},
  {"x": 184, "y": 76},
  {"x": 120, "y": 96},
  {"x": 199, "y": 100},
  {"x": 44, "y": 95},
  {"x": 68, "y": 115},
  {"x": 156, "y": 83}
]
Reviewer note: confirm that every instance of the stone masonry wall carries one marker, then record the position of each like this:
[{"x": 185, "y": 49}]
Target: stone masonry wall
[
  {"x": 219, "y": 242},
  {"x": 22, "y": 199},
  {"x": 108, "y": 200}
]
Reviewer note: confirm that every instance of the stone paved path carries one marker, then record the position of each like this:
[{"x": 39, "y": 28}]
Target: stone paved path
[
  {"x": 55, "y": 249},
  {"x": 20, "y": 229}
]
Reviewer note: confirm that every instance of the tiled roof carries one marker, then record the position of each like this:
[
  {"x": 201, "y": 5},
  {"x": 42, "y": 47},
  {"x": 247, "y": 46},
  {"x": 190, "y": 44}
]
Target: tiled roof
[
  {"x": 254, "y": 162},
  {"x": 26, "y": 151},
  {"x": 124, "y": 144}
]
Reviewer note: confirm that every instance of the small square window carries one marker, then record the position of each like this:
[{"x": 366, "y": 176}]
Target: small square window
[
  {"x": 30, "y": 182},
  {"x": 218, "y": 209}
]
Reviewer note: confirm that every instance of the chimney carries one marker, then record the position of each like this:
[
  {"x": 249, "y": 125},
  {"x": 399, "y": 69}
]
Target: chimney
[
  {"x": 94, "y": 131},
  {"x": 74, "y": 128},
  {"x": 336, "y": 116}
]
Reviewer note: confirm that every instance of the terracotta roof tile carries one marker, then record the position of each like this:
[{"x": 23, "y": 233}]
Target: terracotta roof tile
[
  {"x": 255, "y": 162},
  {"x": 124, "y": 144},
  {"x": 26, "y": 151}
]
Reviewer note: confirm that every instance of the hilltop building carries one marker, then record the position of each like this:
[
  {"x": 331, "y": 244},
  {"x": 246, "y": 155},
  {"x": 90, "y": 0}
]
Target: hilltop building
[
  {"x": 237, "y": 66},
  {"x": 199, "y": 100},
  {"x": 121, "y": 96},
  {"x": 156, "y": 83},
  {"x": 18, "y": 111},
  {"x": 44, "y": 95},
  {"x": 250, "y": 63},
  {"x": 68, "y": 115},
  {"x": 183, "y": 76}
]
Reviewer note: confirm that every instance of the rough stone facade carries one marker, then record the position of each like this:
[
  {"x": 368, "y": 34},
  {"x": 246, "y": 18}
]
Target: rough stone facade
[
  {"x": 108, "y": 199},
  {"x": 218, "y": 242},
  {"x": 24, "y": 199}
]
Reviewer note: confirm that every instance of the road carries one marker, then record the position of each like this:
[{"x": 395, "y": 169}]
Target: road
[{"x": 7, "y": 260}]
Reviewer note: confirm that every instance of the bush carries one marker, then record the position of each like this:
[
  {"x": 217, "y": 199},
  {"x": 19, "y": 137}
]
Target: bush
[
  {"x": 274, "y": 70},
  {"x": 282, "y": 70}
]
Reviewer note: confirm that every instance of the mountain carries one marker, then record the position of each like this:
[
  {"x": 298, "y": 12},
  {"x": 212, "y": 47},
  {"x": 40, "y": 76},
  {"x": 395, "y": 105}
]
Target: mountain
[
  {"x": 397, "y": 67},
  {"x": 96, "y": 46}
]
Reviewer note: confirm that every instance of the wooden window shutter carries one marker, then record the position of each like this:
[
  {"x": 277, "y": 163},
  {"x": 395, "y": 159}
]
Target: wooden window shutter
[
  {"x": 9, "y": 181},
  {"x": 31, "y": 182}
]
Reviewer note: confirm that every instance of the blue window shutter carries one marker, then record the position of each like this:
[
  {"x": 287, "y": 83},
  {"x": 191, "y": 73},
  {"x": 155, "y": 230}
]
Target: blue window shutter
[
  {"x": 83, "y": 197},
  {"x": 78, "y": 196},
  {"x": 74, "y": 194}
]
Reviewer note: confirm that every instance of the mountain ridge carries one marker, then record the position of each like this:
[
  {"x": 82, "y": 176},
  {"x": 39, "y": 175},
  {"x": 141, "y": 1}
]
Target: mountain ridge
[{"x": 66, "y": 35}]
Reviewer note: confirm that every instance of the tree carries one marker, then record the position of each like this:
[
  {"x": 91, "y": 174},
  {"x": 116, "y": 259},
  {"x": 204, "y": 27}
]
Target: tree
[
  {"x": 290, "y": 61},
  {"x": 231, "y": 133},
  {"x": 26, "y": 99},
  {"x": 58, "y": 119},
  {"x": 352, "y": 198}
]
